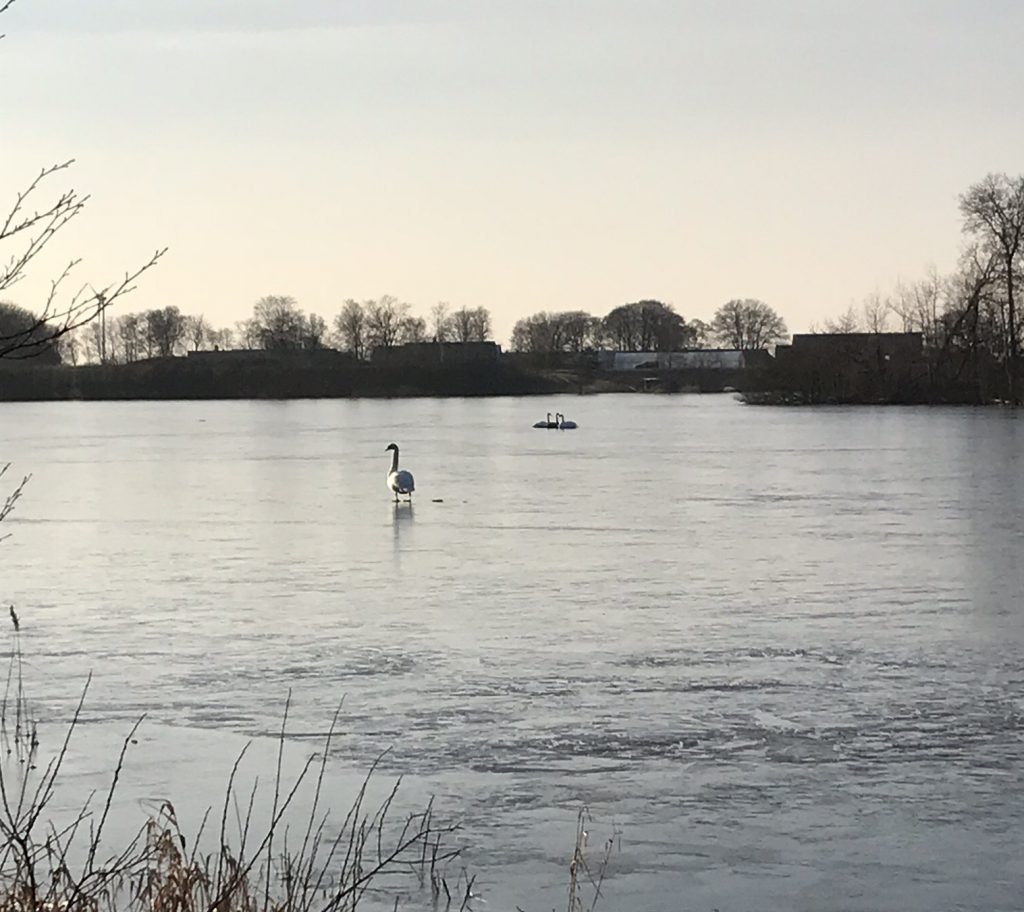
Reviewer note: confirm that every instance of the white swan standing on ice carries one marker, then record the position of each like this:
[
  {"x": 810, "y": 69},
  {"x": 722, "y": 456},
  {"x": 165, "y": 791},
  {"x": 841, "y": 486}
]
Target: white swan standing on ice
[{"x": 399, "y": 480}]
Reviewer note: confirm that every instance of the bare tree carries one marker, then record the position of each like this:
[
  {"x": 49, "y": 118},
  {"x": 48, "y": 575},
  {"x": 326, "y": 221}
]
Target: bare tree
[
  {"x": 315, "y": 332},
  {"x": 993, "y": 212},
  {"x": 165, "y": 330},
  {"x": 350, "y": 328},
  {"x": 32, "y": 222},
  {"x": 471, "y": 324},
  {"x": 699, "y": 332},
  {"x": 440, "y": 322},
  {"x": 384, "y": 321},
  {"x": 221, "y": 339},
  {"x": 197, "y": 331},
  {"x": 876, "y": 313},
  {"x": 248, "y": 333},
  {"x": 413, "y": 329},
  {"x": 564, "y": 331},
  {"x": 92, "y": 342},
  {"x": 918, "y": 304},
  {"x": 278, "y": 322},
  {"x": 131, "y": 333},
  {"x": 647, "y": 326},
  {"x": 71, "y": 346},
  {"x": 577, "y": 330},
  {"x": 539, "y": 332},
  {"x": 848, "y": 322},
  {"x": 748, "y": 324}
]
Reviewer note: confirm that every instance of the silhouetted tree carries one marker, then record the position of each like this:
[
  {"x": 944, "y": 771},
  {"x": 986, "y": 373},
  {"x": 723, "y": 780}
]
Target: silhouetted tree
[
  {"x": 70, "y": 347},
  {"x": 539, "y": 332},
  {"x": 384, "y": 321},
  {"x": 876, "y": 313},
  {"x": 699, "y": 333},
  {"x": 577, "y": 330},
  {"x": 993, "y": 211},
  {"x": 279, "y": 323},
  {"x": 847, "y": 322},
  {"x": 413, "y": 329},
  {"x": 471, "y": 324},
  {"x": 314, "y": 332},
  {"x": 350, "y": 328},
  {"x": 440, "y": 322},
  {"x": 748, "y": 324},
  {"x": 248, "y": 333},
  {"x": 564, "y": 331},
  {"x": 35, "y": 337},
  {"x": 221, "y": 339},
  {"x": 918, "y": 304},
  {"x": 129, "y": 338},
  {"x": 197, "y": 332},
  {"x": 164, "y": 330},
  {"x": 646, "y": 326}
]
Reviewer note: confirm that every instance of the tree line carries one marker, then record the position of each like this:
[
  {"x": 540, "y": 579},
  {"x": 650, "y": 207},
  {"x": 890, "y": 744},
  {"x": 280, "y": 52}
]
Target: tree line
[
  {"x": 277, "y": 324},
  {"x": 650, "y": 325},
  {"x": 969, "y": 319}
]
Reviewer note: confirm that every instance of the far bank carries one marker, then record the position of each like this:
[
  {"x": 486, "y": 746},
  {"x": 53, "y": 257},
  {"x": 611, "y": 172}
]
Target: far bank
[{"x": 325, "y": 377}]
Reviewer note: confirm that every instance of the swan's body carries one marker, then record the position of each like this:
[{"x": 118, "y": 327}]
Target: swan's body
[
  {"x": 547, "y": 423},
  {"x": 562, "y": 424},
  {"x": 399, "y": 480}
]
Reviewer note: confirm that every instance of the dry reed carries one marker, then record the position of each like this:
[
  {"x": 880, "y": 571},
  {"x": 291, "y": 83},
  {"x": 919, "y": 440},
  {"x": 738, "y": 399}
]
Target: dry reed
[{"x": 334, "y": 866}]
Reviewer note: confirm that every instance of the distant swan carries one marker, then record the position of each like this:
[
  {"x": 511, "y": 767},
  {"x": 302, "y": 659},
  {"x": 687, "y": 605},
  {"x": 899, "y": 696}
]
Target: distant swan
[
  {"x": 399, "y": 480},
  {"x": 562, "y": 424},
  {"x": 547, "y": 423}
]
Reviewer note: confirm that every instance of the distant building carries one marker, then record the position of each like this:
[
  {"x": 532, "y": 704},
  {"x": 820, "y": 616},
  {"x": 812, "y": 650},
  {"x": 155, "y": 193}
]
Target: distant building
[
  {"x": 436, "y": 354},
  {"x": 281, "y": 356},
  {"x": 865, "y": 349},
  {"x": 699, "y": 359},
  {"x": 853, "y": 367}
]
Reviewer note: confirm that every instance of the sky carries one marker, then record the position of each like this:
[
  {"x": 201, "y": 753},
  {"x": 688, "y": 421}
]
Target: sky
[{"x": 511, "y": 154}]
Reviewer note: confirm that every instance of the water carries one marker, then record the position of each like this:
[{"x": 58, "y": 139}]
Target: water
[{"x": 776, "y": 652}]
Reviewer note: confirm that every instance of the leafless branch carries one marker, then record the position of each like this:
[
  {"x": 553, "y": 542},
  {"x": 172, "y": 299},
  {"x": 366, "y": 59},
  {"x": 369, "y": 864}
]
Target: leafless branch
[{"x": 31, "y": 226}]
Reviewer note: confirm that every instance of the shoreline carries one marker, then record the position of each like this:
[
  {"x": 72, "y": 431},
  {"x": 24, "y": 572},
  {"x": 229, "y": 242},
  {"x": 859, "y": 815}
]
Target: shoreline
[{"x": 183, "y": 379}]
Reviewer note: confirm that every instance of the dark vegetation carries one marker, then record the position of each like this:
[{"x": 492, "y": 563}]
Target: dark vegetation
[{"x": 329, "y": 377}]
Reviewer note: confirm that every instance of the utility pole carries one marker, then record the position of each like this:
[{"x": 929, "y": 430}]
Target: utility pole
[{"x": 101, "y": 304}]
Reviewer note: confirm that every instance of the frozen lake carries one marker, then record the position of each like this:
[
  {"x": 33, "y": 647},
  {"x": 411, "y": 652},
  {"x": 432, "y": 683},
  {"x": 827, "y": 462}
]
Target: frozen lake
[{"x": 779, "y": 652}]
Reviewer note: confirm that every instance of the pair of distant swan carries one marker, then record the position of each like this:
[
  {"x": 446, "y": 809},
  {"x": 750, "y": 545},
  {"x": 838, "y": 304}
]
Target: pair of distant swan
[{"x": 559, "y": 424}]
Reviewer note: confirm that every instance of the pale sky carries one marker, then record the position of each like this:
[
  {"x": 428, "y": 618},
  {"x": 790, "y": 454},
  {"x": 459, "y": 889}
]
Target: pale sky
[{"x": 512, "y": 154}]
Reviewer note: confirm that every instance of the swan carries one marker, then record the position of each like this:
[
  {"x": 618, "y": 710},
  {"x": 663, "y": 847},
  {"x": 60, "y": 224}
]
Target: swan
[
  {"x": 399, "y": 480},
  {"x": 547, "y": 423},
  {"x": 562, "y": 424}
]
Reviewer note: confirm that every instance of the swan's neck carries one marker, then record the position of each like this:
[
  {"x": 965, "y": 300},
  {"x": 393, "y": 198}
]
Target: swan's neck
[{"x": 394, "y": 460}]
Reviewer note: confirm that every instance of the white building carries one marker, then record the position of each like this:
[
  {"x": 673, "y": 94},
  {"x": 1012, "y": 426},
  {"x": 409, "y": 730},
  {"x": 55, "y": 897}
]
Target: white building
[{"x": 704, "y": 359}]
